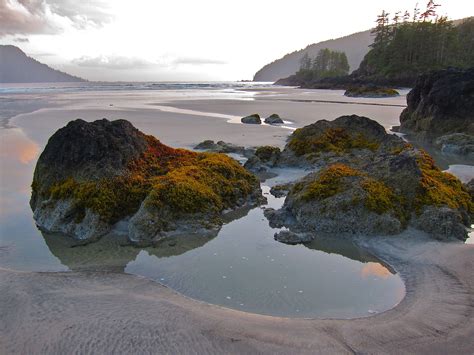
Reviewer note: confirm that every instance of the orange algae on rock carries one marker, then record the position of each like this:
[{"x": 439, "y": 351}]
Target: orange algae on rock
[
  {"x": 438, "y": 188},
  {"x": 181, "y": 180}
]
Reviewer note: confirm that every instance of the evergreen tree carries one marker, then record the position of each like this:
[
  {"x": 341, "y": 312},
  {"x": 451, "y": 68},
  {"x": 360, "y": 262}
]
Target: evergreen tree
[
  {"x": 326, "y": 64},
  {"x": 426, "y": 42}
]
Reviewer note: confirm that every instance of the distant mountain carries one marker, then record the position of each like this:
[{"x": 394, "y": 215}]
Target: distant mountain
[
  {"x": 17, "y": 67},
  {"x": 355, "y": 45}
]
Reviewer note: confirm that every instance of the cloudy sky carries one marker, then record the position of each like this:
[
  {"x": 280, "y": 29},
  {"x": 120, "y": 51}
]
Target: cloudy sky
[{"x": 152, "y": 40}]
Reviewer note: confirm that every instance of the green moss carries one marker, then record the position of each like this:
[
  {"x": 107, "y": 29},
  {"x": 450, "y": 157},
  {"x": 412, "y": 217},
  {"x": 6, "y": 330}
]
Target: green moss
[
  {"x": 181, "y": 180},
  {"x": 336, "y": 140},
  {"x": 438, "y": 188},
  {"x": 266, "y": 152},
  {"x": 328, "y": 183},
  {"x": 379, "y": 197},
  {"x": 371, "y": 91}
]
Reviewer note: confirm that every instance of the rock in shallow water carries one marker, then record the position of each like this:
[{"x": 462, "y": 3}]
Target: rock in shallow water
[
  {"x": 93, "y": 175},
  {"x": 367, "y": 182},
  {"x": 289, "y": 237},
  {"x": 274, "y": 119},
  {"x": 252, "y": 119}
]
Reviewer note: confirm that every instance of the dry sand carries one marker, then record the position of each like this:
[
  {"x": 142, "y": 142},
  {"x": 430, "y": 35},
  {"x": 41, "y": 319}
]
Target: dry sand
[{"x": 119, "y": 313}]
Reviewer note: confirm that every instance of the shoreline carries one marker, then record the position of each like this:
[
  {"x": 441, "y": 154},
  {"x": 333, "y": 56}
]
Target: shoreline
[
  {"x": 101, "y": 312},
  {"x": 57, "y": 312}
]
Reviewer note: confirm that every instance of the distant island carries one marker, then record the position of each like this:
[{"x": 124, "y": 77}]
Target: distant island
[{"x": 17, "y": 67}]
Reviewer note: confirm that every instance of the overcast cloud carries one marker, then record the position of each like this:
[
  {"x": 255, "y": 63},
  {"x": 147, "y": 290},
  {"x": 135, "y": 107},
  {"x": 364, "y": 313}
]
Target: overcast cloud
[
  {"x": 112, "y": 62},
  {"x": 49, "y": 16}
]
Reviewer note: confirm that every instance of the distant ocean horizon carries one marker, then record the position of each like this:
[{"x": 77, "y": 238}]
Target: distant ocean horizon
[{"x": 19, "y": 88}]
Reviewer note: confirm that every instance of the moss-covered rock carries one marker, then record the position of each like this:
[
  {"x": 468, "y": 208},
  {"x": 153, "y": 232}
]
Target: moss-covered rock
[
  {"x": 370, "y": 91},
  {"x": 369, "y": 182},
  {"x": 109, "y": 171}
]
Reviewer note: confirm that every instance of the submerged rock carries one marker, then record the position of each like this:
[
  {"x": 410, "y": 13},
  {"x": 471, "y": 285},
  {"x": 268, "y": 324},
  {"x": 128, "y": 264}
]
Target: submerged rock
[
  {"x": 252, "y": 119},
  {"x": 289, "y": 237},
  {"x": 93, "y": 175},
  {"x": 441, "y": 103},
  {"x": 368, "y": 182},
  {"x": 273, "y": 119}
]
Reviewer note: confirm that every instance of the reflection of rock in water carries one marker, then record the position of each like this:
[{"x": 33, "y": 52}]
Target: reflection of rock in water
[
  {"x": 110, "y": 254},
  {"x": 341, "y": 246}
]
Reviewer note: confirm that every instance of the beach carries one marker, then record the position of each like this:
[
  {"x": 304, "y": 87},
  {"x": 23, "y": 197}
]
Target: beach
[{"x": 106, "y": 312}]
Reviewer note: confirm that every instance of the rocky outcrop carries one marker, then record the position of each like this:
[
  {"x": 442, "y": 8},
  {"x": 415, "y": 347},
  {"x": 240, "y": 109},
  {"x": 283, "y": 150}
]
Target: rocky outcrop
[
  {"x": 273, "y": 119},
  {"x": 252, "y": 119},
  {"x": 92, "y": 175},
  {"x": 289, "y": 237},
  {"x": 368, "y": 182},
  {"x": 370, "y": 91},
  {"x": 224, "y": 147},
  {"x": 441, "y": 103}
]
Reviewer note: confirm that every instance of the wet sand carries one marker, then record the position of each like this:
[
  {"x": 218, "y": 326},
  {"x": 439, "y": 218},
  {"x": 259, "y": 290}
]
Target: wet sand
[
  {"x": 113, "y": 312},
  {"x": 110, "y": 313}
]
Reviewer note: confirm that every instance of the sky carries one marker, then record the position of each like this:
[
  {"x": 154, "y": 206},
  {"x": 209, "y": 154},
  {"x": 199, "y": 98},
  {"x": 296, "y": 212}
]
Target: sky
[{"x": 199, "y": 40}]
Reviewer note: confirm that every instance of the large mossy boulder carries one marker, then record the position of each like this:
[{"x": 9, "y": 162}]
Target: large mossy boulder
[
  {"x": 440, "y": 103},
  {"x": 93, "y": 175},
  {"x": 369, "y": 182}
]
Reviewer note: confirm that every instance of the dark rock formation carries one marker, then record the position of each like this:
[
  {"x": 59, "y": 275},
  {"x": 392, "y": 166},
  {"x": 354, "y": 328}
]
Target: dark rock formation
[
  {"x": 368, "y": 182},
  {"x": 93, "y": 175},
  {"x": 441, "y": 103},
  {"x": 252, "y": 119},
  {"x": 273, "y": 119},
  {"x": 289, "y": 237}
]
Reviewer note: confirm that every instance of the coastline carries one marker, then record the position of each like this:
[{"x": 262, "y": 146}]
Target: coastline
[
  {"x": 104, "y": 312},
  {"x": 107, "y": 312}
]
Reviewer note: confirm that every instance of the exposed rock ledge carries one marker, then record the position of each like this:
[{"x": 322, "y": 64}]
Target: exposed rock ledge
[
  {"x": 93, "y": 175},
  {"x": 440, "y": 105}
]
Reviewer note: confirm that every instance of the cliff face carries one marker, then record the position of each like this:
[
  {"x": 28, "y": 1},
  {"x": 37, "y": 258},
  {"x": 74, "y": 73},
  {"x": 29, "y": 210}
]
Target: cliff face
[
  {"x": 17, "y": 67},
  {"x": 355, "y": 46},
  {"x": 440, "y": 103},
  {"x": 93, "y": 175}
]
